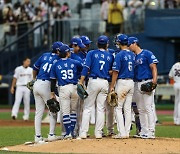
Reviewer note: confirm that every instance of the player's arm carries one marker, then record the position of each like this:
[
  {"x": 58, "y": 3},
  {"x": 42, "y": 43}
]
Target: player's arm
[
  {"x": 35, "y": 72},
  {"x": 53, "y": 78},
  {"x": 86, "y": 68},
  {"x": 13, "y": 85},
  {"x": 114, "y": 78},
  {"x": 154, "y": 72}
]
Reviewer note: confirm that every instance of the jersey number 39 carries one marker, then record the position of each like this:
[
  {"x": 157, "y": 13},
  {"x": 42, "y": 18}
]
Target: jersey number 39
[{"x": 67, "y": 74}]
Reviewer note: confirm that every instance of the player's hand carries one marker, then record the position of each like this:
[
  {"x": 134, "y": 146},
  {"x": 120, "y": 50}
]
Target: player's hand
[
  {"x": 111, "y": 89},
  {"x": 12, "y": 90},
  {"x": 53, "y": 95}
]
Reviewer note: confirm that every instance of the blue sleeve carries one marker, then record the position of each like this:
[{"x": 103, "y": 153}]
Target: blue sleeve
[
  {"x": 79, "y": 66},
  {"x": 53, "y": 72},
  {"x": 117, "y": 63},
  {"x": 37, "y": 64},
  {"x": 151, "y": 58},
  {"x": 87, "y": 64}
]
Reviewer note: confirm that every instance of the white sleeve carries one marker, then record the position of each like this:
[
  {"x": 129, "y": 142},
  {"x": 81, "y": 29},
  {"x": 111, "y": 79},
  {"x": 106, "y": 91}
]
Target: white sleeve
[
  {"x": 171, "y": 73},
  {"x": 16, "y": 73},
  {"x": 31, "y": 73}
]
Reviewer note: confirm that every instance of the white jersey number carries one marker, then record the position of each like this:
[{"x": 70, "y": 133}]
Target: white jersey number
[
  {"x": 67, "y": 74},
  {"x": 130, "y": 66},
  {"x": 102, "y": 64},
  {"x": 47, "y": 67}
]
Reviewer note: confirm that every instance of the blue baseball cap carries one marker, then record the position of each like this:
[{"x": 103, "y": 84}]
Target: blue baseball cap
[
  {"x": 122, "y": 39},
  {"x": 64, "y": 48},
  {"x": 132, "y": 40},
  {"x": 56, "y": 46},
  {"x": 85, "y": 40},
  {"x": 77, "y": 41},
  {"x": 103, "y": 39}
]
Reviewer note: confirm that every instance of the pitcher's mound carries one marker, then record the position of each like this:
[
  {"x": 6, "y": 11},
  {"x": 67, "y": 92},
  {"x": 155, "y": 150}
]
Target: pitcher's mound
[{"x": 132, "y": 145}]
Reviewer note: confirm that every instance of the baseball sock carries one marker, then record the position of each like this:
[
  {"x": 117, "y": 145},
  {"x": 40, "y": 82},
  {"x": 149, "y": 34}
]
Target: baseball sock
[
  {"x": 73, "y": 118},
  {"x": 67, "y": 124}
]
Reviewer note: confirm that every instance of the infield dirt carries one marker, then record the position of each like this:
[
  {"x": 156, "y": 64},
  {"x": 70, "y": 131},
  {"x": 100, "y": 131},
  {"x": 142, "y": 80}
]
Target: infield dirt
[{"x": 107, "y": 145}]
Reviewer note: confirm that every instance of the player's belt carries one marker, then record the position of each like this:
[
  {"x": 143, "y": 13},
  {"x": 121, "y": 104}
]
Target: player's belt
[
  {"x": 95, "y": 77},
  {"x": 142, "y": 80},
  {"x": 43, "y": 79},
  {"x": 125, "y": 78}
]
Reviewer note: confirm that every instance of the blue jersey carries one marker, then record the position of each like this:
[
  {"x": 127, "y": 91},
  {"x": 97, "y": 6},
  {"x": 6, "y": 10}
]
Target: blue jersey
[
  {"x": 143, "y": 61},
  {"x": 82, "y": 55},
  {"x": 124, "y": 64},
  {"x": 43, "y": 65},
  {"x": 99, "y": 63},
  {"x": 76, "y": 57},
  {"x": 66, "y": 71}
]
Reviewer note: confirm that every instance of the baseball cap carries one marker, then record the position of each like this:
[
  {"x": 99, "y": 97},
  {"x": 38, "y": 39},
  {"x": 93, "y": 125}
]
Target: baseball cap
[
  {"x": 85, "y": 40},
  {"x": 64, "y": 48},
  {"x": 121, "y": 38},
  {"x": 56, "y": 46},
  {"x": 77, "y": 41},
  {"x": 132, "y": 40},
  {"x": 103, "y": 39}
]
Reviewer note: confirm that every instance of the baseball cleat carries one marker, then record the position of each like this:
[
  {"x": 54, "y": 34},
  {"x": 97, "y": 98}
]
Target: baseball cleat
[
  {"x": 143, "y": 136},
  {"x": 83, "y": 136},
  {"x": 38, "y": 139},
  {"x": 111, "y": 134},
  {"x": 53, "y": 138},
  {"x": 14, "y": 117},
  {"x": 119, "y": 137},
  {"x": 137, "y": 136},
  {"x": 67, "y": 137},
  {"x": 99, "y": 137}
]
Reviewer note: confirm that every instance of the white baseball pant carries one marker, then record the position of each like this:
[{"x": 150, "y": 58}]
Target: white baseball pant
[
  {"x": 125, "y": 90},
  {"x": 144, "y": 103},
  {"x": 177, "y": 104},
  {"x": 97, "y": 90},
  {"x": 42, "y": 93},
  {"x": 22, "y": 92}
]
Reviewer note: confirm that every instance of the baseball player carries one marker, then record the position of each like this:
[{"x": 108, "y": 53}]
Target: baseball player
[
  {"x": 41, "y": 90},
  {"x": 77, "y": 45},
  {"x": 23, "y": 74},
  {"x": 123, "y": 75},
  {"x": 175, "y": 75},
  {"x": 87, "y": 42},
  {"x": 145, "y": 71},
  {"x": 66, "y": 72},
  {"x": 98, "y": 64}
]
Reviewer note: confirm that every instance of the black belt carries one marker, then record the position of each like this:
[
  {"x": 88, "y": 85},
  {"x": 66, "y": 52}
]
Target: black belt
[
  {"x": 43, "y": 79},
  {"x": 142, "y": 80},
  {"x": 95, "y": 77},
  {"x": 125, "y": 78}
]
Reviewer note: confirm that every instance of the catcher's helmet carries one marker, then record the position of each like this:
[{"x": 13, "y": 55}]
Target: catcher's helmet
[{"x": 121, "y": 38}]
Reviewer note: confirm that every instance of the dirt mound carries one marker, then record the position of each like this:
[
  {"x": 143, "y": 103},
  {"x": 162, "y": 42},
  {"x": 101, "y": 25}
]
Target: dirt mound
[{"x": 132, "y": 145}]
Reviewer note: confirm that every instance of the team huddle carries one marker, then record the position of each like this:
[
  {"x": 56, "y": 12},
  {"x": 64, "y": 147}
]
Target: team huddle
[{"x": 100, "y": 71}]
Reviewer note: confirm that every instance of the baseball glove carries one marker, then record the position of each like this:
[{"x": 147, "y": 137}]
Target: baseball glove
[
  {"x": 30, "y": 85},
  {"x": 53, "y": 105},
  {"x": 81, "y": 92},
  {"x": 112, "y": 99},
  {"x": 148, "y": 87}
]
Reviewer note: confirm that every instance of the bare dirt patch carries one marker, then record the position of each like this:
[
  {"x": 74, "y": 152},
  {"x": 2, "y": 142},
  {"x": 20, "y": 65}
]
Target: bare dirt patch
[{"x": 124, "y": 146}]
